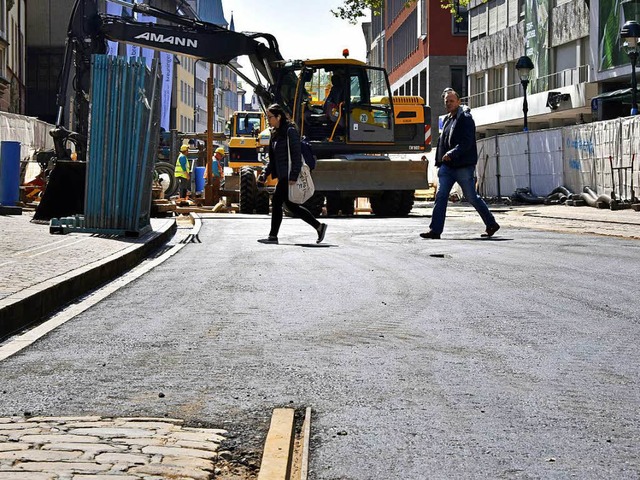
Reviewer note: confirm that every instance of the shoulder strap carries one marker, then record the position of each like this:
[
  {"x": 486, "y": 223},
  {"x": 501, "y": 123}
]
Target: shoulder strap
[{"x": 288, "y": 154}]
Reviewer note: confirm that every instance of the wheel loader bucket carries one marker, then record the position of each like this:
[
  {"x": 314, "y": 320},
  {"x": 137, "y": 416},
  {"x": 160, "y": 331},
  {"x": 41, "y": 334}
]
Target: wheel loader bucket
[
  {"x": 64, "y": 195},
  {"x": 369, "y": 175}
]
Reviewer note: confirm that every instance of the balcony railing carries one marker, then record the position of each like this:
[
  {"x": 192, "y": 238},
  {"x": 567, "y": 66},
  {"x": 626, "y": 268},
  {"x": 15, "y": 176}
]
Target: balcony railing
[{"x": 564, "y": 78}]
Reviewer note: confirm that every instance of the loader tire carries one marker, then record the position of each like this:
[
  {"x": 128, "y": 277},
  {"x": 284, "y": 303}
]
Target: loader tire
[
  {"x": 347, "y": 206},
  {"x": 333, "y": 203},
  {"x": 248, "y": 190},
  {"x": 392, "y": 203},
  {"x": 166, "y": 171},
  {"x": 262, "y": 202}
]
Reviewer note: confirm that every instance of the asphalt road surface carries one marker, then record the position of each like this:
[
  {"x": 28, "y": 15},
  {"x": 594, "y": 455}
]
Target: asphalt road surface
[{"x": 514, "y": 357}]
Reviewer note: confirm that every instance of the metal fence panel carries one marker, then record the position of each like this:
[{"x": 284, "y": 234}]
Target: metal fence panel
[{"x": 124, "y": 127}]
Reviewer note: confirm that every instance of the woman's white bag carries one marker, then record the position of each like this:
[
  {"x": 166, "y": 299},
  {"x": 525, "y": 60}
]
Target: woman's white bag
[{"x": 303, "y": 189}]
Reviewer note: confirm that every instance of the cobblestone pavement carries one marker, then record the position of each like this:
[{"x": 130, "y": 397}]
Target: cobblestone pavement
[{"x": 97, "y": 448}]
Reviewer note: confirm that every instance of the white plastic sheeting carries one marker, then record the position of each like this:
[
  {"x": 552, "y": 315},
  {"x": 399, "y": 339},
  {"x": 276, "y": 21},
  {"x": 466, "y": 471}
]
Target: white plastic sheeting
[
  {"x": 530, "y": 160},
  {"x": 604, "y": 157},
  {"x": 601, "y": 155},
  {"x": 33, "y": 134}
]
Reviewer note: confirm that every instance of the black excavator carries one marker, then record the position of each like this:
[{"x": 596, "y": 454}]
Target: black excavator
[{"x": 352, "y": 140}]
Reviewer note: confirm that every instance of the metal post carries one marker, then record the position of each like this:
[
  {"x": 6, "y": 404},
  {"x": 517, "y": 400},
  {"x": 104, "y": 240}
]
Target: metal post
[
  {"x": 195, "y": 106},
  {"x": 525, "y": 105},
  {"x": 211, "y": 189},
  {"x": 634, "y": 84}
]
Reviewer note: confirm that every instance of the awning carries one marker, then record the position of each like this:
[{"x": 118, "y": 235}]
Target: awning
[{"x": 622, "y": 94}]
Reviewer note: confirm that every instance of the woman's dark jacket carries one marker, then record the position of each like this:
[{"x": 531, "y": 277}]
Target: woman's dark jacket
[
  {"x": 459, "y": 141},
  {"x": 279, "y": 157}
]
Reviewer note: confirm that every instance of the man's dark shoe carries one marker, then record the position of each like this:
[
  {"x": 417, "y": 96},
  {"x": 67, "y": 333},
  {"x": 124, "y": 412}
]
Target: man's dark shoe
[
  {"x": 491, "y": 230},
  {"x": 430, "y": 234},
  {"x": 322, "y": 229},
  {"x": 269, "y": 240}
]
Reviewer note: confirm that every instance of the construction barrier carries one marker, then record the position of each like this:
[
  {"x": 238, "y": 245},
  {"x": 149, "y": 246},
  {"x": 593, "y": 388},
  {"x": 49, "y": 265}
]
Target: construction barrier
[
  {"x": 123, "y": 132},
  {"x": 601, "y": 155}
]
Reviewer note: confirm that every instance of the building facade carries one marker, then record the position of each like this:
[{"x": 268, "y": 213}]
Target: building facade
[
  {"x": 13, "y": 24},
  {"x": 581, "y": 72},
  {"x": 555, "y": 35},
  {"x": 423, "y": 47}
]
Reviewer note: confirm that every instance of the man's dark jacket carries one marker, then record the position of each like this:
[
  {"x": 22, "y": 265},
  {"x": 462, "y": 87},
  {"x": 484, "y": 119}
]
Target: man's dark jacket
[
  {"x": 459, "y": 141},
  {"x": 279, "y": 156}
]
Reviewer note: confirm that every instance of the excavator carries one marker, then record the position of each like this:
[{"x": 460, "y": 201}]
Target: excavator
[{"x": 351, "y": 138}]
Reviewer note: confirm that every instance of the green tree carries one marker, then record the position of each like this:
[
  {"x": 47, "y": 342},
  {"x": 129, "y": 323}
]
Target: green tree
[{"x": 353, "y": 10}]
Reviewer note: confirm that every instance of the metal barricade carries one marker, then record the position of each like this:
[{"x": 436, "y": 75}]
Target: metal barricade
[{"x": 123, "y": 131}]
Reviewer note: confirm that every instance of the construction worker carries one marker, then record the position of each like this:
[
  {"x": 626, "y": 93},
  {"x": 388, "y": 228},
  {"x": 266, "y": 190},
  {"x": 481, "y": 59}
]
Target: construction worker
[
  {"x": 217, "y": 164},
  {"x": 182, "y": 171}
]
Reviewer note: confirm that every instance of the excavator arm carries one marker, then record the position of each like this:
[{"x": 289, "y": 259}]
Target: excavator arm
[{"x": 89, "y": 31}]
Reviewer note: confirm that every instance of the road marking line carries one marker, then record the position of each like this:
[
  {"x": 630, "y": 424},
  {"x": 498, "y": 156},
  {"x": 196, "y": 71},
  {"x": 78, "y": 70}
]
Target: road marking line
[{"x": 278, "y": 447}]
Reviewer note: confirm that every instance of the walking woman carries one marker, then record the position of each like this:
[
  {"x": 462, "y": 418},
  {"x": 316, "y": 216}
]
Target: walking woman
[{"x": 284, "y": 139}]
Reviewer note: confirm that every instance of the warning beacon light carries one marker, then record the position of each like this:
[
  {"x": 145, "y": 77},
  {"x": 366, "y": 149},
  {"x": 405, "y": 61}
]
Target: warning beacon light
[{"x": 345, "y": 52}]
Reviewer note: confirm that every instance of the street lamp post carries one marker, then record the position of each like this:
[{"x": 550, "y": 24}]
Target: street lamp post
[
  {"x": 630, "y": 33},
  {"x": 524, "y": 65}
]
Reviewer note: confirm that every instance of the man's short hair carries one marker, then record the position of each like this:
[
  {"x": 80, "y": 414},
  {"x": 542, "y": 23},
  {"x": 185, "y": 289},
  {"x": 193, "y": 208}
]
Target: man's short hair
[{"x": 449, "y": 90}]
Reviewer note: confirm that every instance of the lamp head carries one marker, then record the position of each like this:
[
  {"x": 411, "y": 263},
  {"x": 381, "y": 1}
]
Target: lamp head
[
  {"x": 630, "y": 32},
  {"x": 524, "y": 65}
]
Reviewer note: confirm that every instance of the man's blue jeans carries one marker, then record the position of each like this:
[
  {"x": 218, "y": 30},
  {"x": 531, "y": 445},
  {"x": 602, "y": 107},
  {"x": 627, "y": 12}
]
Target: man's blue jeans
[{"x": 447, "y": 176}]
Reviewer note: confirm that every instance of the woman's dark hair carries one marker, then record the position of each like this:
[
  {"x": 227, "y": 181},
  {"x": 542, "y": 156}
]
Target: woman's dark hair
[{"x": 278, "y": 111}]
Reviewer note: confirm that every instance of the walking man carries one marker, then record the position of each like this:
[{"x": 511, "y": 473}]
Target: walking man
[{"x": 456, "y": 158}]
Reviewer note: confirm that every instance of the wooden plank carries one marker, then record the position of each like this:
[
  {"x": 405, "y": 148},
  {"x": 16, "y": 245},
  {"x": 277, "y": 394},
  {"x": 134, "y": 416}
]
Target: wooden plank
[{"x": 278, "y": 448}]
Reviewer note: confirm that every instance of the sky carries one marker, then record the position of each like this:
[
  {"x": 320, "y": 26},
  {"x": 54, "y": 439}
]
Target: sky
[{"x": 304, "y": 29}]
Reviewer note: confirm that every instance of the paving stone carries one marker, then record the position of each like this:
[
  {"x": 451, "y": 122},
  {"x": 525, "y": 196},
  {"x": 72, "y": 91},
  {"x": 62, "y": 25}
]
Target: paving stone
[
  {"x": 88, "y": 449},
  {"x": 7, "y": 447},
  {"x": 101, "y": 423},
  {"x": 166, "y": 471},
  {"x": 111, "y": 476},
  {"x": 141, "y": 442},
  {"x": 149, "y": 425},
  {"x": 126, "y": 458},
  {"x": 63, "y": 419},
  {"x": 197, "y": 436},
  {"x": 177, "y": 421},
  {"x": 190, "y": 462},
  {"x": 60, "y": 438},
  {"x": 217, "y": 431},
  {"x": 14, "y": 426},
  {"x": 15, "y": 435},
  {"x": 112, "y": 432},
  {"x": 39, "y": 455},
  {"x": 179, "y": 452},
  {"x": 27, "y": 476},
  {"x": 62, "y": 467},
  {"x": 212, "y": 446}
]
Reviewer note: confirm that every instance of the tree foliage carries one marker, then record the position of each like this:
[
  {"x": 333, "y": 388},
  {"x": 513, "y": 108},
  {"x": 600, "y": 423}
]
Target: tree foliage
[{"x": 353, "y": 10}]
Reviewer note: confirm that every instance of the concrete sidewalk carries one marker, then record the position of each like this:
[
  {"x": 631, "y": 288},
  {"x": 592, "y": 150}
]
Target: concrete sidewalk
[{"x": 41, "y": 272}]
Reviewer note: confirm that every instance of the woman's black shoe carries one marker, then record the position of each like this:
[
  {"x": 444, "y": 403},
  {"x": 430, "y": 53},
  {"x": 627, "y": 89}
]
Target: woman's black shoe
[{"x": 269, "y": 240}]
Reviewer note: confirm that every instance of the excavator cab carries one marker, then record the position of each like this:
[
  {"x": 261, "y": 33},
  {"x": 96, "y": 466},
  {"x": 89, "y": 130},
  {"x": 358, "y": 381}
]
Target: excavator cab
[{"x": 341, "y": 105}]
